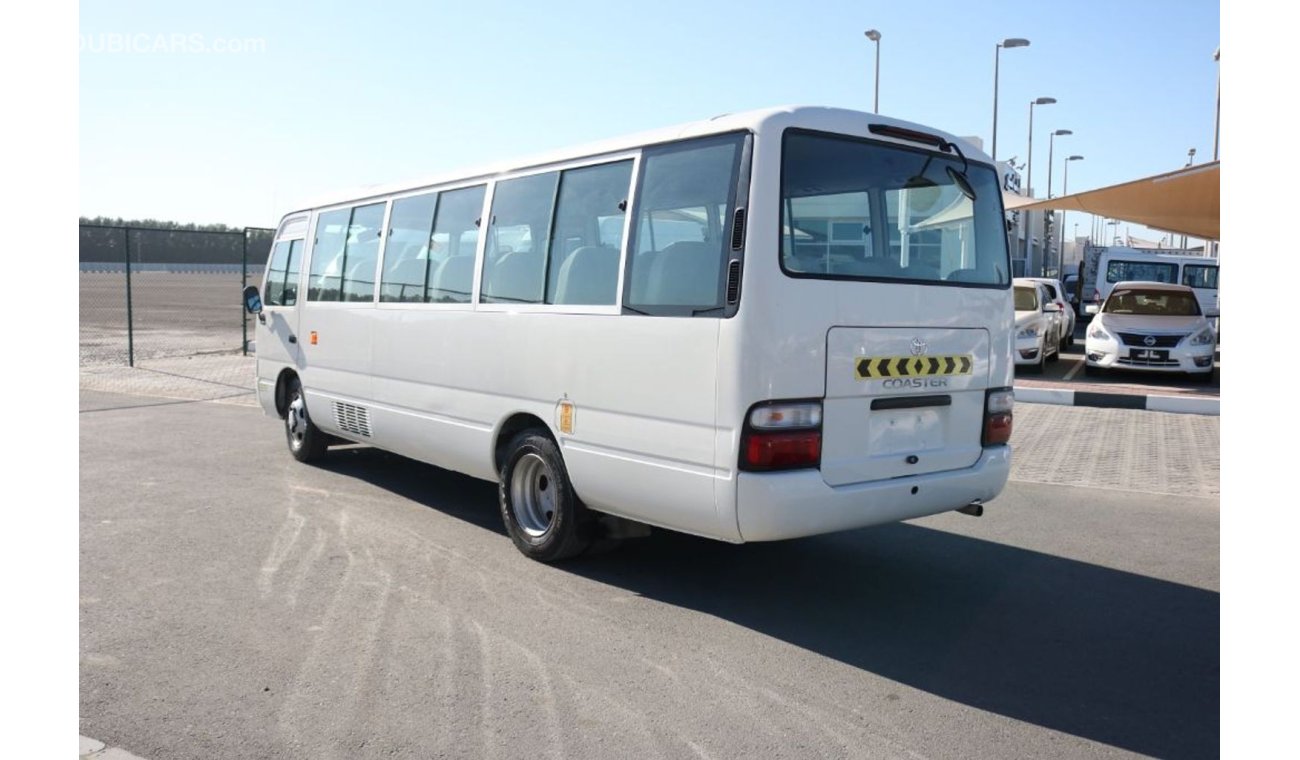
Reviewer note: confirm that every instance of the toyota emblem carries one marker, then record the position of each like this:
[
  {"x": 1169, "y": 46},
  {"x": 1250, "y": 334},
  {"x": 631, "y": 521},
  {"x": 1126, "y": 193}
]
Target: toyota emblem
[{"x": 919, "y": 347}]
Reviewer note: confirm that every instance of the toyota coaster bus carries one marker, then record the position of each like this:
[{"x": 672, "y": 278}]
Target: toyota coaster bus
[{"x": 760, "y": 326}]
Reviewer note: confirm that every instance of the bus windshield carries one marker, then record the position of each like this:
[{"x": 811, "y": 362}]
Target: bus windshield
[{"x": 855, "y": 209}]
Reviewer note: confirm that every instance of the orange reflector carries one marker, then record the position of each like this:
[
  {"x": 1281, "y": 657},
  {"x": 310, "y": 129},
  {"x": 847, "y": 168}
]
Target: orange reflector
[
  {"x": 313, "y": 337},
  {"x": 566, "y": 417}
]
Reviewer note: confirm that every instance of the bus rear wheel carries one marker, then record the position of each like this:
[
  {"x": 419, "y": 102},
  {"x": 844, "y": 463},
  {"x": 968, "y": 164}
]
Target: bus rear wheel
[
  {"x": 542, "y": 514},
  {"x": 306, "y": 441}
]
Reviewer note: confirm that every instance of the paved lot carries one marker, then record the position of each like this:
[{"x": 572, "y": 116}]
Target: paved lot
[{"x": 237, "y": 604}]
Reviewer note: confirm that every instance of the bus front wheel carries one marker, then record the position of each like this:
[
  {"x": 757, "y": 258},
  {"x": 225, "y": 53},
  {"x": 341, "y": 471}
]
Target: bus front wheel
[
  {"x": 306, "y": 441},
  {"x": 542, "y": 514}
]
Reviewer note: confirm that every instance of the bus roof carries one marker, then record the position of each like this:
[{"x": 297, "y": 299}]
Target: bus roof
[{"x": 840, "y": 120}]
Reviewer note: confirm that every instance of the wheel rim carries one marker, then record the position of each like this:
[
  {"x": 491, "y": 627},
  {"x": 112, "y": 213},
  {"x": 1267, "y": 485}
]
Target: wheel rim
[
  {"x": 532, "y": 495},
  {"x": 296, "y": 420}
]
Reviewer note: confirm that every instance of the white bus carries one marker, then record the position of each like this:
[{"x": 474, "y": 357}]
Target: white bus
[
  {"x": 1200, "y": 273},
  {"x": 761, "y": 326}
]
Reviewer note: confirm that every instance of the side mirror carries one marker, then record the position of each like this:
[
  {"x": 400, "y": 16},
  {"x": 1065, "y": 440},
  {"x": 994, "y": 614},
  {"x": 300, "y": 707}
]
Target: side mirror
[
  {"x": 252, "y": 300},
  {"x": 1051, "y": 307},
  {"x": 1091, "y": 309}
]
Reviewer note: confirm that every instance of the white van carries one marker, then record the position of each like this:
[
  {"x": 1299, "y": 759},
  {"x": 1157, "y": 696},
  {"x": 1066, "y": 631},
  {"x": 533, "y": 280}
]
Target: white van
[
  {"x": 1200, "y": 273},
  {"x": 761, "y": 326}
]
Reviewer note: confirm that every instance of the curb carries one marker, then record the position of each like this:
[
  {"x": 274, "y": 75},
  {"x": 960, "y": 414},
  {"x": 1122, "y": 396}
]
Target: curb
[{"x": 1175, "y": 404}]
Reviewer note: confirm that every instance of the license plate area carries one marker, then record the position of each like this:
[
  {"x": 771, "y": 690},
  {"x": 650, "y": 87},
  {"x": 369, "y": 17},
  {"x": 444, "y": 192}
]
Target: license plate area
[{"x": 1149, "y": 355}]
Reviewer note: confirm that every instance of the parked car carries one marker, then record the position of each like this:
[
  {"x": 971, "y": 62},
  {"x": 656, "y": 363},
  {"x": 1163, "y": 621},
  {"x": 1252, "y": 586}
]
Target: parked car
[
  {"x": 1056, "y": 291},
  {"x": 1071, "y": 284},
  {"x": 1150, "y": 326},
  {"x": 1038, "y": 324}
]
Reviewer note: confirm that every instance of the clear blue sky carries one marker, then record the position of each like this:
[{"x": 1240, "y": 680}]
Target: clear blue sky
[{"x": 343, "y": 94}]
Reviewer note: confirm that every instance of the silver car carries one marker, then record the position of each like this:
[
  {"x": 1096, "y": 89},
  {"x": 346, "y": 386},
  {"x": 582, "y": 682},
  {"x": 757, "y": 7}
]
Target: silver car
[{"x": 1150, "y": 326}]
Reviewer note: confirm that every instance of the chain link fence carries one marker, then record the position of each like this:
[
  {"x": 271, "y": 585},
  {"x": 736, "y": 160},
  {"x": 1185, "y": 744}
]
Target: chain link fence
[{"x": 167, "y": 300}]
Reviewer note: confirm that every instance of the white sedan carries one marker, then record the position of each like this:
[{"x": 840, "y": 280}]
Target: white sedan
[
  {"x": 1038, "y": 324},
  {"x": 1150, "y": 326}
]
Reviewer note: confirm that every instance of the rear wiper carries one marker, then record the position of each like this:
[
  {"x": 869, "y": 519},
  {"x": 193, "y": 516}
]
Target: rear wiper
[{"x": 959, "y": 177}]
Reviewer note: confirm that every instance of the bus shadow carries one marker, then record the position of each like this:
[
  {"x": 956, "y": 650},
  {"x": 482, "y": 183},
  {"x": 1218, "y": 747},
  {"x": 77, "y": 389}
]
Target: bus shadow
[
  {"x": 469, "y": 499},
  {"x": 1106, "y": 655},
  {"x": 1102, "y": 654}
]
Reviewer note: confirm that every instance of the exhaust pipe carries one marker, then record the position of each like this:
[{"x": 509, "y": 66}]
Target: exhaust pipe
[{"x": 974, "y": 509}]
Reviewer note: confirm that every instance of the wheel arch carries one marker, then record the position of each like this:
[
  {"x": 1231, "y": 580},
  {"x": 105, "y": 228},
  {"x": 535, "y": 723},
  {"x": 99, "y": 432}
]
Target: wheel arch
[
  {"x": 282, "y": 391},
  {"x": 514, "y": 424}
]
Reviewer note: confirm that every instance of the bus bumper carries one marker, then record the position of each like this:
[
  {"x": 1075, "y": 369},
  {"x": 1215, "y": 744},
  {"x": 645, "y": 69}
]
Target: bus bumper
[{"x": 773, "y": 506}]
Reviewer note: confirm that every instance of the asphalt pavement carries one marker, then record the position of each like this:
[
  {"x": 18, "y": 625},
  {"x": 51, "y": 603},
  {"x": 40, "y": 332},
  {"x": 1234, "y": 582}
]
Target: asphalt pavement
[{"x": 235, "y": 603}]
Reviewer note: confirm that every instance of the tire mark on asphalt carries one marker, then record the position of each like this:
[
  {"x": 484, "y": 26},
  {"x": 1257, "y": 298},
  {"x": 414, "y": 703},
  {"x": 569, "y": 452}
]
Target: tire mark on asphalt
[
  {"x": 281, "y": 545},
  {"x": 306, "y": 565},
  {"x": 612, "y": 708},
  {"x": 322, "y": 712}
]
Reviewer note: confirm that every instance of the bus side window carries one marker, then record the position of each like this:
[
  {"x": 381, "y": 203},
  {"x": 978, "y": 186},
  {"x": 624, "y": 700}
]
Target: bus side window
[
  {"x": 406, "y": 252},
  {"x": 679, "y": 242},
  {"x": 326, "y": 274},
  {"x": 361, "y": 254},
  {"x": 276, "y": 273},
  {"x": 582, "y": 268},
  {"x": 514, "y": 269},
  {"x": 344, "y": 254},
  {"x": 455, "y": 237}
]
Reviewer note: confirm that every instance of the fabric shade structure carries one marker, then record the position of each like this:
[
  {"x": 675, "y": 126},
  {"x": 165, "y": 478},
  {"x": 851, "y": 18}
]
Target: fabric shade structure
[{"x": 1185, "y": 202}]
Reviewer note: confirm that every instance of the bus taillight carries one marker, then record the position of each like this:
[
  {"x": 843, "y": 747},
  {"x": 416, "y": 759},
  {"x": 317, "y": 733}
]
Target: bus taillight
[
  {"x": 998, "y": 403},
  {"x": 782, "y": 435}
]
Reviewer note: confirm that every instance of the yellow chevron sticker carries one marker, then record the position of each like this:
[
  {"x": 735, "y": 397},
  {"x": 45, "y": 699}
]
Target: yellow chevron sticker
[{"x": 880, "y": 367}]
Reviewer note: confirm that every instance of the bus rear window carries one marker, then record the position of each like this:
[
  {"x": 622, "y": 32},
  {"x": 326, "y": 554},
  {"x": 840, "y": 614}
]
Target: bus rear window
[{"x": 855, "y": 209}]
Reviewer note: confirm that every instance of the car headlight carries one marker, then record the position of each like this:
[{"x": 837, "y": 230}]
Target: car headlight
[
  {"x": 1203, "y": 338},
  {"x": 1027, "y": 332},
  {"x": 1097, "y": 332}
]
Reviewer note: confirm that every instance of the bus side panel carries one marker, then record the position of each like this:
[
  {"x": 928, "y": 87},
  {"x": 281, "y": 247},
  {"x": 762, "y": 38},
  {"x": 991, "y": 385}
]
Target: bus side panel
[
  {"x": 335, "y": 343},
  {"x": 643, "y": 389}
]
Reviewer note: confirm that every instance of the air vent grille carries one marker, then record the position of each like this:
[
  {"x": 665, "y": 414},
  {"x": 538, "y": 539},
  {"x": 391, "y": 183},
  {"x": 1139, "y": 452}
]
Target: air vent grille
[
  {"x": 733, "y": 282},
  {"x": 738, "y": 230},
  {"x": 351, "y": 418}
]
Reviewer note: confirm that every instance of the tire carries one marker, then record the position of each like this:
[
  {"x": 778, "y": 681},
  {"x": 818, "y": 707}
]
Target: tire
[
  {"x": 1056, "y": 353},
  {"x": 542, "y": 514},
  {"x": 306, "y": 442}
]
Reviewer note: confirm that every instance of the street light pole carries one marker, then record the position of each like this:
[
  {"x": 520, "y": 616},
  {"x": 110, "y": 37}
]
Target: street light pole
[
  {"x": 1047, "y": 238},
  {"x": 1191, "y": 159},
  {"x": 1051, "y": 144},
  {"x": 874, "y": 36},
  {"x": 1218, "y": 76},
  {"x": 1010, "y": 42},
  {"x": 1065, "y": 190},
  {"x": 1217, "y": 86},
  {"x": 1029, "y": 166}
]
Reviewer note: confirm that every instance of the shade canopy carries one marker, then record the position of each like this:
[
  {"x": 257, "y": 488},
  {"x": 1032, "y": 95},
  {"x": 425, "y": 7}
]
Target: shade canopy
[{"x": 1185, "y": 202}]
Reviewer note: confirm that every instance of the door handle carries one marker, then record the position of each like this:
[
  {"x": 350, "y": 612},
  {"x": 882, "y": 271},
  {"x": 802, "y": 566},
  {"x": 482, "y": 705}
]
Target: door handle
[{"x": 293, "y": 338}]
